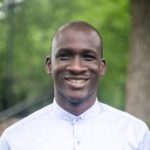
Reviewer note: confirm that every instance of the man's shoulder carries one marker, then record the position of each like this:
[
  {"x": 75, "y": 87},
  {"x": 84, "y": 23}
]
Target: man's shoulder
[
  {"x": 30, "y": 121},
  {"x": 119, "y": 116}
]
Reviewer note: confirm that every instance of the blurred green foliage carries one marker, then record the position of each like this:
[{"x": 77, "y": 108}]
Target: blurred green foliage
[{"x": 35, "y": 22}]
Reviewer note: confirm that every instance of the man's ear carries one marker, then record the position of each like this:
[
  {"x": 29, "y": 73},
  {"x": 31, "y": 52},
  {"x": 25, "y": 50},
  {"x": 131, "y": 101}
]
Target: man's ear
[
  {"x": 48, "y": 65},
  {"x": 103, "y": 67}
]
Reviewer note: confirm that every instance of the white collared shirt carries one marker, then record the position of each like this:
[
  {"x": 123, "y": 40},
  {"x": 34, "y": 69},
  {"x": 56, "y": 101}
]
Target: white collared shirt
[{"x": 101, "y": 127}]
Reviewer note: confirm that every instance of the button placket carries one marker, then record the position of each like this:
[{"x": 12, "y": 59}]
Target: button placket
[{"x": 75, "y": 123}]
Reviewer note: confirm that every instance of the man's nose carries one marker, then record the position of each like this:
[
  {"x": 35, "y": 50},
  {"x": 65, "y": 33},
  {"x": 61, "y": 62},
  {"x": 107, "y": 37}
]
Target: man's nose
[{"x": 76, "y": 65}]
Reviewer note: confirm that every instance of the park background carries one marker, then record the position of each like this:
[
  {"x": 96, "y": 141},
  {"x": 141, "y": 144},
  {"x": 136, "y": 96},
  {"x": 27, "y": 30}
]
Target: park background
[{"x": 26, "y": 30}]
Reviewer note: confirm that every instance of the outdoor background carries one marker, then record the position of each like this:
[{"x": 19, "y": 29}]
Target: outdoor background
[{"x": 26, "y": 30}]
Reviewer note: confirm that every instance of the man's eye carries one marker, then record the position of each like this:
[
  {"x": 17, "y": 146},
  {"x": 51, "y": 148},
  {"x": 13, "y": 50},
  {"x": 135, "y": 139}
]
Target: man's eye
[
  {"x": 63, "y": 57},
  {"x": 89, "y": 57}
]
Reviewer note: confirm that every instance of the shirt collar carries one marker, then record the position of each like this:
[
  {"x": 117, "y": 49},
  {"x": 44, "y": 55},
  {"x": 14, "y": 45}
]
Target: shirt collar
[{"x": 89, "y": 114}]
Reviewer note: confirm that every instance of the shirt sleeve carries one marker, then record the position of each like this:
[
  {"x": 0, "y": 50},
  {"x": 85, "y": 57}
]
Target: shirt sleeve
[
  {"x": 3, "y": 144},
  {"x": 145, "y": 144}
]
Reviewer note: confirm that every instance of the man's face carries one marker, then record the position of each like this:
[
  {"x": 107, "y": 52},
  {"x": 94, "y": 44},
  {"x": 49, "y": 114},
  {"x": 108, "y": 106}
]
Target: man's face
[{"x": 76, "y": 65}]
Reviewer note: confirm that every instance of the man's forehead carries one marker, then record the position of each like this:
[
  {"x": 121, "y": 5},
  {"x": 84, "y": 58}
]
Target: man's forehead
[
  {"x": 80, "y": 37},
  {"x": 69, "y": 33},
  {"x": 77, "y": 26}
]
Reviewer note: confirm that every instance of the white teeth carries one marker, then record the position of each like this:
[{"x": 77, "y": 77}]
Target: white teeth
[{"x": 77, "y": 81}]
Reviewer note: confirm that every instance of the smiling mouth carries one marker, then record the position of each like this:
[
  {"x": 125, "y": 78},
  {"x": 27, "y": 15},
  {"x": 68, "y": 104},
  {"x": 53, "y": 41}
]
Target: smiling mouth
[{"x": 76, "y": 83}]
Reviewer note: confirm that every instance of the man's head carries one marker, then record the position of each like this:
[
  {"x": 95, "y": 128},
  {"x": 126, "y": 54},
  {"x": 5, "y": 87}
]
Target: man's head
[{"x": 76, "y": 63}]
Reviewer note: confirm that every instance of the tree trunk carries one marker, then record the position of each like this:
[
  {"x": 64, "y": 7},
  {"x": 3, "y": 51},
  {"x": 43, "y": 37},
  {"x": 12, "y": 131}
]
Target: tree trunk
[{"x": 138, "y": 84}]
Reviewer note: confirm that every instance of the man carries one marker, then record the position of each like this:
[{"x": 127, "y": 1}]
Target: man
[{"x": 76, "y": 120}]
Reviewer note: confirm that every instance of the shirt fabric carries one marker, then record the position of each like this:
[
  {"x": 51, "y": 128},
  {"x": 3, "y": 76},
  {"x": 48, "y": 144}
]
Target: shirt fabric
[{"x": 101, "y": 127}]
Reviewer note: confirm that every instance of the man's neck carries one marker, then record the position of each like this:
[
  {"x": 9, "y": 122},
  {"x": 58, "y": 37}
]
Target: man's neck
[{"x": 75, "y": 108}]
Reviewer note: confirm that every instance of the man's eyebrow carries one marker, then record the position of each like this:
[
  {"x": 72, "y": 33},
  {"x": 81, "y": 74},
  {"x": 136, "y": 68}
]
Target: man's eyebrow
[
  {"x": 92, "y": 51},
  {"x": 71, "y": 51},
  {"x": 64, "y": 50}
]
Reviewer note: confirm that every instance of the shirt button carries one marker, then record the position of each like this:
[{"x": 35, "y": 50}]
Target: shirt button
[
  {"x": 78, "y": 142},
  {"x": 77, "y": 119}
]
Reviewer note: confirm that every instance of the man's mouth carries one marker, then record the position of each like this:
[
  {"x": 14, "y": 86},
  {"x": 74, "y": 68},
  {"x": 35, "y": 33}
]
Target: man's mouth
[{"x": 76, "y": 82}]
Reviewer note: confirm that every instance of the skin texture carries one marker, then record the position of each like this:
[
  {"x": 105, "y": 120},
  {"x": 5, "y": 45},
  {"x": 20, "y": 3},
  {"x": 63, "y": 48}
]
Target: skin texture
[{"x": 76, "y": 66}]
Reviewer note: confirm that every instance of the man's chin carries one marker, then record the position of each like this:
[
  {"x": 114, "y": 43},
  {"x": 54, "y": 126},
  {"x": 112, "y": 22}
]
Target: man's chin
[{"x": 76, "y": 100}]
